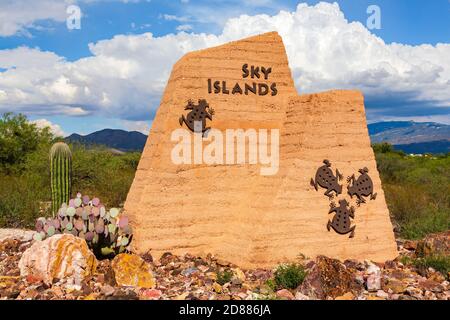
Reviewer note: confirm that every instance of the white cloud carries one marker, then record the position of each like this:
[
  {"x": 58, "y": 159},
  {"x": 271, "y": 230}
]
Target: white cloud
[
  {"x": 140, "y": 126},
  {"x": 54, "y": 128},
  {"x": 126, "y": 75},
  {"x": 184, "y": 27},
  {"x": 171, "y": 17}
]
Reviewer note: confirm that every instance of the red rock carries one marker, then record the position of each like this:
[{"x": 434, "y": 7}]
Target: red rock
[
  {"x": 430, "y": 285},
  {"x": 31, "y": 279},
  {"x": 329, "y": 278},
  {"x": 152, "y": 294},
  {"x": 285, "y": 294}
]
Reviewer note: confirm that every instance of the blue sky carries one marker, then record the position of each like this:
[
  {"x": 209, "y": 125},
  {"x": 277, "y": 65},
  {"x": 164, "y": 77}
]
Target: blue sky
[{"x": 406, "y": 22}]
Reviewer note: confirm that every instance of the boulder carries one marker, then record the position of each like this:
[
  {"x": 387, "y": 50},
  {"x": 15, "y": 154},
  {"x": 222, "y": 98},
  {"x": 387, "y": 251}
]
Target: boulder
[
  {"x": 394, "y": 286},
  {"x": 62, "y": 256},
  {"x": 130, "y": 270},
  {"x": 329, "y": 278},
  {"x": 285, "y": 294}
]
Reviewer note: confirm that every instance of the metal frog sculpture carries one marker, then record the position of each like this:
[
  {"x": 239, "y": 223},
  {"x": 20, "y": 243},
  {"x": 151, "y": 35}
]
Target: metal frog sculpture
[
  {"x": 199, "y": 114},
  {"x": 341, "y": 221},
  {"x": 361, "y": 187},
  {"x": 327, "y": 180}
]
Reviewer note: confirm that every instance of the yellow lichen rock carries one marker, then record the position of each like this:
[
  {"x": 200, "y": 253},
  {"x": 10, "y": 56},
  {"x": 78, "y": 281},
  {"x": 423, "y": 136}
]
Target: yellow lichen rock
[
  {"x": 62, "y": 256},
  {"x": 131, "y": 270}
]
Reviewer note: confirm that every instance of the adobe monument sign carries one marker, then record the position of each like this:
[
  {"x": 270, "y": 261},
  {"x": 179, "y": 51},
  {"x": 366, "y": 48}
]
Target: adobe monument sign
[{"x": 239, "y": 165}]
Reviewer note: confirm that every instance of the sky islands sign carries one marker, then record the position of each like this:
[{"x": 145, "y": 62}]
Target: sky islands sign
[
  {"x": 252, "y": 72},
  {"x": 243, "y": 167}
]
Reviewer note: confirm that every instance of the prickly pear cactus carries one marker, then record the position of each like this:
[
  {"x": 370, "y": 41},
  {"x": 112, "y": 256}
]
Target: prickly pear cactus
[
  {"x": 61, "y": 174},
  {"x": 107, "y": 233}
]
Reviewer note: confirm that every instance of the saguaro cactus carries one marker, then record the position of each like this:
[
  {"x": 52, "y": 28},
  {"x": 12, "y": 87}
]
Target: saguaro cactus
[{"x": 61, "y": 174}]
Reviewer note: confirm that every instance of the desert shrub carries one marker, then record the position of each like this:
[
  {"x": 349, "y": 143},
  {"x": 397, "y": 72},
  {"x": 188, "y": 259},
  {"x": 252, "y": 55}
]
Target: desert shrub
[
  {"x": 289, "y": 276},
  {"x": 417, "y": 191},
  {"x": 19, "y": 200},
  {"x": 104, "y": 174},
  {"x": 439, "y": 263},
  {"x": 224, "y": 276}
]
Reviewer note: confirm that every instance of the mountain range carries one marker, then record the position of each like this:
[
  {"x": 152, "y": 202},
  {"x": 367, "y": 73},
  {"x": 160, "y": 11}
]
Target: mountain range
[
  {"x": 120, "y": 140},
  {"x": 412, "y": 137},
  {"x": 408, "y": 136}
]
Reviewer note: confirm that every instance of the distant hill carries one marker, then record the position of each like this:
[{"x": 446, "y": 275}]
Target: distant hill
[
  {"x": 442, "y": 146},
  {"x": 412, "y": 137},
  {"x": 375, "y": 128},
  {"x": 406, "y": 132},
  {"x": 116, "y": 139}
]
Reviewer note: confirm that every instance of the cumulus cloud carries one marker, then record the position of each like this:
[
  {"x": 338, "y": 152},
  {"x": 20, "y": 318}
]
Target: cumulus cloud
[
  {"x": 125, "y": 75},
  {"x": 54, "y": 128}
]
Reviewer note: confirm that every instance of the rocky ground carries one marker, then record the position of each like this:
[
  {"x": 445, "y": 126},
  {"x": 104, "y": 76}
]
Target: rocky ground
[{"x": 190, "y": 277}]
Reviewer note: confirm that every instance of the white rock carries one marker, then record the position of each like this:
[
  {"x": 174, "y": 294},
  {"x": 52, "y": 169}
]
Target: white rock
[
  {"x": 61, "y": 256},
  {"x": 373, "y": 282},
  {"x": 373, "y": 269}
]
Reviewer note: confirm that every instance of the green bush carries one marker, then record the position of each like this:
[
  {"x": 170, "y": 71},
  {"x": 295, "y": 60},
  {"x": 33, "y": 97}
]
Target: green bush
[
  {"x": 289, "y": 276},
  {"x": 18, "y": 139},
  {"x": 383, "y": 147},
  {"x": 439, "y": 263},
  {"x": 417, "y": 191},
  {"x": 106, "y": 175},
  {"x": 20, "y": 203}
]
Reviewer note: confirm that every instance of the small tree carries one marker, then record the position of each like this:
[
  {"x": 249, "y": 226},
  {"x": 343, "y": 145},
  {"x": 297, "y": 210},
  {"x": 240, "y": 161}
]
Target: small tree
[
  {"x": 19, "y": 138},
  {"x": 382, "y": 147}
]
